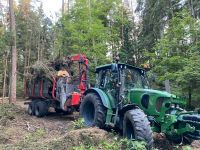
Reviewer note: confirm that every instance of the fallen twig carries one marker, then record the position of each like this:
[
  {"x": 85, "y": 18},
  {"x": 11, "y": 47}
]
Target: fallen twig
[{"x": 28, "y": 126}]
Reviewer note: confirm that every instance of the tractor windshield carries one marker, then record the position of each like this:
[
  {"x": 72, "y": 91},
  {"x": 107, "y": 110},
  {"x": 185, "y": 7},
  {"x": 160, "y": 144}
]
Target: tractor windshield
[{"x": 134, "y": 79}]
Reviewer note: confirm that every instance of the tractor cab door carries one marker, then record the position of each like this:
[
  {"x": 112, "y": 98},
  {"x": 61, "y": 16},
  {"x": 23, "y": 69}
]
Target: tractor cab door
[{"x": 107, "y": 81}]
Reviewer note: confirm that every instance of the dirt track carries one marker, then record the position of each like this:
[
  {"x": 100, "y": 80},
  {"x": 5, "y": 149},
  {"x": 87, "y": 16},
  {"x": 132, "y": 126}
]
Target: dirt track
[
  {"x": 21, "y": 128},
  {"x": 54, "y": 125}
]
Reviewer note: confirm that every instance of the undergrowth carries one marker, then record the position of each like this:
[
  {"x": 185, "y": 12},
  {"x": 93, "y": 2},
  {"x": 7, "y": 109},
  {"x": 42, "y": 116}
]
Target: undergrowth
[
  {"x": 122, "y": 144},
  {"x": 78, "y": 124},
  {"x": 8, "y": 112}
]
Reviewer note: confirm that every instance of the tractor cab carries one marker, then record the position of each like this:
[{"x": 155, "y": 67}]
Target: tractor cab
[
  {"x": 123, "y": 75},
  {"x": 118, "y": 79}
]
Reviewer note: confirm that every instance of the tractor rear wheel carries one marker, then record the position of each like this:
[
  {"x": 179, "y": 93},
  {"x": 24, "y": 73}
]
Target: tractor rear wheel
[
  {"x": 136, "y": 126},
  {"x": 92, "y": 111},
  {"x": 41, "y": 109}
]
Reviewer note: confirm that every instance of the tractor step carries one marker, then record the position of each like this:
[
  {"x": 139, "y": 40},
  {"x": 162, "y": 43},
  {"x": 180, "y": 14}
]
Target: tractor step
[{"x": 112, "y": 125}]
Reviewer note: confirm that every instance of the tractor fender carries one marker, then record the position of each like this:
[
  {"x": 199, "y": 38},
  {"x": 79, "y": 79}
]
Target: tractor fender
[
  {"x": 101, "y": 94},
  {"x": 126, "y": 108}
]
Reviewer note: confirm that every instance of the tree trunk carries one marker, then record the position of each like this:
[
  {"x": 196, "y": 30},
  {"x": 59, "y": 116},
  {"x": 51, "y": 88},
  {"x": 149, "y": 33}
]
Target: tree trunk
[
  {"x": 25, "y": 58},
  {"x": 68, "y": 7},
  {"x": 189, "y": 97},
  {"x": 12, "y": 98},
  {"x": 167, "y": 86},
  {"x": 191, "y": 8},
  {"x": 122, "y": 28},
  {"x": 29, "y": 49},
  {"x": 63, "y": 7},
  {"x": 4, "y": 79},
  {"x": 39, "y": 47}
]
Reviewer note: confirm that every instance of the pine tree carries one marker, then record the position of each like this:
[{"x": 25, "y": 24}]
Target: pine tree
[{"x": 14, "y": 54}]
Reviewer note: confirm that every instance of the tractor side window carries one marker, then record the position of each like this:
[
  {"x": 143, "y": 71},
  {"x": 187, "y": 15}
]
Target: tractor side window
[
  {"x": 132, "y": 79},
  {"x": 105, "y": 78}
]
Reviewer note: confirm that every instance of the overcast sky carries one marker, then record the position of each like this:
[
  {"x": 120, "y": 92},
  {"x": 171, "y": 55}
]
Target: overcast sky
[{"x": 52, "y": 7}]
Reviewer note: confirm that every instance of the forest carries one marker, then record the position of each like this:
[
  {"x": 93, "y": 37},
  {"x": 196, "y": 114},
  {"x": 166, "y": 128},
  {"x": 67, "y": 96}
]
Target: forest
[{"x": 163, "y": 34}]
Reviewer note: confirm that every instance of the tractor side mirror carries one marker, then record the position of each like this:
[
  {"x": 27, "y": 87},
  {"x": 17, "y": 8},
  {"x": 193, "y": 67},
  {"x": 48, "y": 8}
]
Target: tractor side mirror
[{"x": 114, "y": 68}]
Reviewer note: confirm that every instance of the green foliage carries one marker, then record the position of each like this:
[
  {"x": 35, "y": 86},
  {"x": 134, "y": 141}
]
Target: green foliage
[
  {"x": 94, "y": 29},
  {"x": 85, "y": 30},
  {"x": 132, "y": 145},
  {"x": 31, "y": 140},
  {"x": 176, "y": 55},
  {"x": 35, "y": 136},
  {"x": 122, "y": 144},
  {"x": 83, "y": 147},
  {"x": 78, "y": 124},
  {"x": 187, "y": 148},
  {"x": 8, "y": 112}
]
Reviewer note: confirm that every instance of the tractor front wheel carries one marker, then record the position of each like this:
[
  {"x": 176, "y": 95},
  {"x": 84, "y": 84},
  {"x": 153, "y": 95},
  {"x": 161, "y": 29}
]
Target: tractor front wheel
[
  {"x": 92, "y": 111},
  {"x": 177, "y": 139},
  {"x": 136, "y": 126}
]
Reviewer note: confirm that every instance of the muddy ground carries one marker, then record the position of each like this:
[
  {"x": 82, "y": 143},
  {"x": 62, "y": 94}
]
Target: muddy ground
[{"x": 18, "y": 130}]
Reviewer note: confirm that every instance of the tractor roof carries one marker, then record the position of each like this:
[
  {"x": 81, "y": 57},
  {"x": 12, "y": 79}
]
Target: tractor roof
[{"x": 108, "y": 66}]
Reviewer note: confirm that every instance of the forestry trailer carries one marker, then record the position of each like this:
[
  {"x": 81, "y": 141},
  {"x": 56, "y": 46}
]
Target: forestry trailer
[{"x": 42, "y": 87}]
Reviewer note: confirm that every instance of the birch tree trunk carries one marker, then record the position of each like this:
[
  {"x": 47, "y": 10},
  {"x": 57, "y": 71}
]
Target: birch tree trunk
[{"x": 12, "y": 98}]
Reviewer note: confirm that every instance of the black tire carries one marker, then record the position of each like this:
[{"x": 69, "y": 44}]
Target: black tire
[
  {"x": 180, "y": 139},
  {"x": 31, "y": 108},
  {"x": 41, "y": 109},
  {"x": 92, "y": 111},
  {"x": 187, "y": 140},
  {"x": 136, "y": 126},
  {"x": 57, "y": 110},
  {"x": 68, "y": 112},
  {"x": 175, "y": 139}
]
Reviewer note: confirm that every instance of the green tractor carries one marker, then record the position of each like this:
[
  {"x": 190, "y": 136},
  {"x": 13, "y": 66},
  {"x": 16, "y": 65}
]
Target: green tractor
[{"x": 122, "y": 99}]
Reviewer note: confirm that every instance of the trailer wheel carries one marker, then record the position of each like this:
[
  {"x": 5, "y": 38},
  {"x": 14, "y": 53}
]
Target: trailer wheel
[
  {"x": 31, "y": 108},
  {"x": 136, "y": 126},
  {"x": 57, "y": 110},
  {"x": 68, "y": 112},
  {"x": 93, "y": 111},
  {"x": 41, "y": 109}
]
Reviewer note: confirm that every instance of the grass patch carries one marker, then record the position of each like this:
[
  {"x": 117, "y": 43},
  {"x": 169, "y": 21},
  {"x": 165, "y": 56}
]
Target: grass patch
[
  {"x": 8, "y": 112},
  {"x": 78, "y": 124},
  {"x": 122, "y": 144},
  {"x": 31, "y": 141}
]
